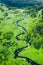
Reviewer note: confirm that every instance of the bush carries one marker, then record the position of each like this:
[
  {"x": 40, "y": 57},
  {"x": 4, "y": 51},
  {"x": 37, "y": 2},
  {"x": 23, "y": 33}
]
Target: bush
[
  {"x": 6, "y": 14},
  {"x": 8, "y": 44},
  {"x": 39, "y": 28},
  {"x": 8, "y": 35},
  {"x": 37, "y": 45},
  {"x": 0, "y": 33},
  {"x": 35, "y": 35}
]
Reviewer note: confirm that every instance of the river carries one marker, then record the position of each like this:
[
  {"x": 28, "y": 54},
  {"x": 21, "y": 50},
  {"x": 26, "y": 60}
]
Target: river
[{"x": 17, "y": 51}]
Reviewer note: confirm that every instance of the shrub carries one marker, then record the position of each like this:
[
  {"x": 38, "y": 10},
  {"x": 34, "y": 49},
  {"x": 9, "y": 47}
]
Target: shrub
[
  {"x": 35, "y": 35},
  {"x": 39, "y": 28},
  {"x": 8, "y": 35}
]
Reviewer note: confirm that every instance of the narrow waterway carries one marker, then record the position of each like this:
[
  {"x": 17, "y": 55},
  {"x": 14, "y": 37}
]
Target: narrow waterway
[{"x": 17, "y": 51}]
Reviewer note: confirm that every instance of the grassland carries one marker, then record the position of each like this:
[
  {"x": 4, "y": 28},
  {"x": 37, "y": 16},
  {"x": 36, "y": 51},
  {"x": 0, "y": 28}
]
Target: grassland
[{"x": 32, "y": 20}]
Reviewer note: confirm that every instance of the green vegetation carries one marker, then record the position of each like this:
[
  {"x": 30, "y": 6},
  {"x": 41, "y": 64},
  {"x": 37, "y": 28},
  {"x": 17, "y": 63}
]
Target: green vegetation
[{"x": 32, "y": 20}]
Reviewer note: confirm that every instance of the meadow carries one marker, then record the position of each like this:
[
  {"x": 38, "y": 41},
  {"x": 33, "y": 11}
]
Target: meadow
[{"x": 21, "y": 35}]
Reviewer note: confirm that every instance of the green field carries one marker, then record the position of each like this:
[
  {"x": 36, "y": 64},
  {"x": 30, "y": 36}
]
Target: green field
[{"x": 21, "y": 28}]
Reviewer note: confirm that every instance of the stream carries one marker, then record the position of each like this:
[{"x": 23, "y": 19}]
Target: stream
[{"x": 17, "y": 51}]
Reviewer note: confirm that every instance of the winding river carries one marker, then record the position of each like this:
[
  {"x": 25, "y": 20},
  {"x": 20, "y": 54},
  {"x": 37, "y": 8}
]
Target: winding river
[{"x": 17, "y": 51}]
